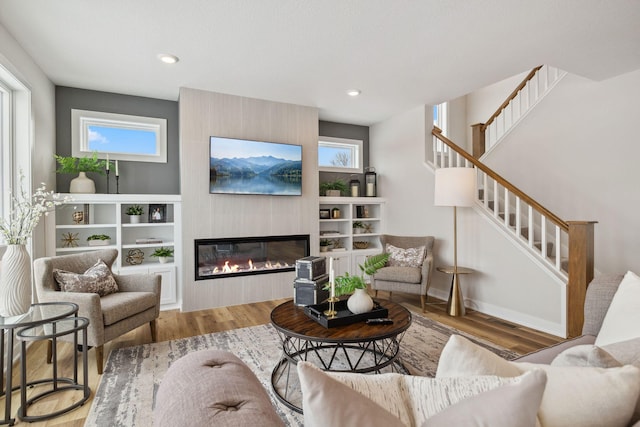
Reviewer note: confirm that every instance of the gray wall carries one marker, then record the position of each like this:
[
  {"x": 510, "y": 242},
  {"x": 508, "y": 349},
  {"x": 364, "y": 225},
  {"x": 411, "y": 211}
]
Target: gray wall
[
  {"x": 135, "y": 177},
  {"x": 342, "y": 130}
]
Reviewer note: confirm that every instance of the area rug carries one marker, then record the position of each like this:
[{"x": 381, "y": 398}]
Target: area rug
[{"x": 126, "y": 394}]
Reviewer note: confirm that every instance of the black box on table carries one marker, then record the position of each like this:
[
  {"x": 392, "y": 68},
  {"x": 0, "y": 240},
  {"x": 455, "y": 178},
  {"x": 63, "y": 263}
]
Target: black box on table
[
  {"x": 311, "y": 268},
  {"x": 307, "y": 292}
]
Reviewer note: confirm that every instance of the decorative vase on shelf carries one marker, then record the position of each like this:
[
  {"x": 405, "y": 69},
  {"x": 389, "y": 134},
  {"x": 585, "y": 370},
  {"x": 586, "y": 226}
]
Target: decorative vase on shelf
[
  {"x": 360, "y": 302},
  {"x": 163, "y": 259},
  {"x": 15, "y": 281},
  {"x": 135, "y": 219},
  {"x": 82, "y": 184}
]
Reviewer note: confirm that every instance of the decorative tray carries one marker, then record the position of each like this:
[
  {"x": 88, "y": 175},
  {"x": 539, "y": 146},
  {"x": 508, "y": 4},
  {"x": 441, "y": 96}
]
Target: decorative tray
[{"x": 344, "y": 316}]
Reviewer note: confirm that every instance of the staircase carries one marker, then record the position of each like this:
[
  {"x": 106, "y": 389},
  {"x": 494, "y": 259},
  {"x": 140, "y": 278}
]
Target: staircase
[
  {"x": 535, "y": 86},
  {"x": 565, "y": 248}
]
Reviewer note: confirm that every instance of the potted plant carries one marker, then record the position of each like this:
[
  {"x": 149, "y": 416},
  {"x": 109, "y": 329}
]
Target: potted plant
[
  {"x": 80, "y": 166},
  {"x": 135, "y": 213},
  {"x": 358, "y": 227},
  {"x": 360, "y": 301},
  {"x": 163, "y": 254},
  {"x": 333, "y": 188},
  {"x": 99, "y": 240},
  {"x": 324, "y": 245}
]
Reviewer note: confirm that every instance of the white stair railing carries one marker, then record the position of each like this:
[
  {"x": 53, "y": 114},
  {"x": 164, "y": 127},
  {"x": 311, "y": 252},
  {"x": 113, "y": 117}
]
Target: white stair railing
[
  {"x": 540, "y": 231},
  {"x": 522, "y": 100}
]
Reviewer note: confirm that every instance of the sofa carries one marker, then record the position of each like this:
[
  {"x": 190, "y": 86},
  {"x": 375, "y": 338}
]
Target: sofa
[{"x": 472, "y": 387}]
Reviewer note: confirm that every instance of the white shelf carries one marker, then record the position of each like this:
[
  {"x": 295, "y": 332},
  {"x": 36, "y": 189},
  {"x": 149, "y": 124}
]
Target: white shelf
[
  {"x": 106, "y": 215},
  {"x": 347, "y": 260}
]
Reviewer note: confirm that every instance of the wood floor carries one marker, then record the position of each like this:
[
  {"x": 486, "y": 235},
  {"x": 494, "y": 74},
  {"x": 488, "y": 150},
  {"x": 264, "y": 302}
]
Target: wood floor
[{"x": 173, "y": 324}]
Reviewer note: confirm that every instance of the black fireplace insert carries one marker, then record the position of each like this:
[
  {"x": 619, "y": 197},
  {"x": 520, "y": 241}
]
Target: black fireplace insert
[{"x": 241, "y": 256}]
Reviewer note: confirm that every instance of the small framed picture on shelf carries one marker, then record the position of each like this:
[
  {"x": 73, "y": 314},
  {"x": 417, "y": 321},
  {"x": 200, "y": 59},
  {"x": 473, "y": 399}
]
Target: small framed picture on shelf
[
  {"x": 158, "y": 213},
  {"x": 325, "y": 214}
]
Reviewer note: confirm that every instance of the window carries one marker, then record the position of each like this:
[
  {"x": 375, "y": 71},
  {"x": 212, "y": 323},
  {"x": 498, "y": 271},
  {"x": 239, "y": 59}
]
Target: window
[
  {"x": 440, "y": 117},
  {"x": 5, "y": 147},
  {"x": 340, "y": 155},
  {"x": 121, "y": 137}
]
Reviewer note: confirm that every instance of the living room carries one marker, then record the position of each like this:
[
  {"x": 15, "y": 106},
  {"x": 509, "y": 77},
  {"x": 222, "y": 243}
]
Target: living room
[{"x": 593, "y": 107}]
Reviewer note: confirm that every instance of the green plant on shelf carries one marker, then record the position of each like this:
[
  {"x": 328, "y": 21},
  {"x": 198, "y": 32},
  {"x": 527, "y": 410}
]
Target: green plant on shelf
[
  {"x": 99, "y": 237},
  {"x": 338, "y": 184},
  {"x": 358, "y": 224},
  {"x": 76, "y": 165},
  {"x": 325, "y": 242},
  {"x": 162, "y": 252},
  {"x": 134, "y": 210}
]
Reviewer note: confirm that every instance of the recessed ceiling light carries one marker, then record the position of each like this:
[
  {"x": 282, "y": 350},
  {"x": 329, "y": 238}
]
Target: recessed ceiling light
[
  {"x": 353, "y": 92},
  {"x": 168, "y": 59}
]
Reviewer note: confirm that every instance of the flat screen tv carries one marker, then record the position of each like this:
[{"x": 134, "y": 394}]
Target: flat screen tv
[{"x": 240, "y": 166}]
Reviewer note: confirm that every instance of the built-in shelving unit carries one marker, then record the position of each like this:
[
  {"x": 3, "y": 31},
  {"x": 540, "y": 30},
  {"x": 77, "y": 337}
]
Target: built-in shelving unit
[
  {"x": 104, "y": 214},
  {"x": 350, "y": 246}
]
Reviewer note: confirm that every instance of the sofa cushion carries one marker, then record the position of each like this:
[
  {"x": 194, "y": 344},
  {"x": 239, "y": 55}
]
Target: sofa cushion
[
  {"x": 96, "y": 279},
  {"x": 399, "y": 257},
  {"x": 395, "y": 399},
  {"x": 400, "y": 274},
  {"x": 622, "y": 321},
  {"x": 573, "y": 396},
  {"x": 119, "y": 306}
]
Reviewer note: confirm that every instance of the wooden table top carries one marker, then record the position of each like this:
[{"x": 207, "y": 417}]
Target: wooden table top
[{"x": 291, "y": 320}]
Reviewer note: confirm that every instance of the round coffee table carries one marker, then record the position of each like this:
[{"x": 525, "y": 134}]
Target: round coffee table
[{"x": 358, "y": 347}]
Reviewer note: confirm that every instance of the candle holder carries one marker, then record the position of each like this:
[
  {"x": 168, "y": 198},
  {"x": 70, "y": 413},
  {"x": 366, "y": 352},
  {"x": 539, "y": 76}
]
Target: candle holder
[
  {"x": 117, "y": 184},
  {"x": 107, "y": 180},
  {"x": 331, "y": 312}
]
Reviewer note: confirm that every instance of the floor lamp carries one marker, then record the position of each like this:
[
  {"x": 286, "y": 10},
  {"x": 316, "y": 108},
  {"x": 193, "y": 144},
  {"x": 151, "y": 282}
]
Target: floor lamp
[{"x": 455, "y": 187}]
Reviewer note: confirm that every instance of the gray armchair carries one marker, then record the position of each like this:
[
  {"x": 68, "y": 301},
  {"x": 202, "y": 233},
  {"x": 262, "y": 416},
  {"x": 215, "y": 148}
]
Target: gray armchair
[
  {"x": 412, "y": 280},
  {"x": 137, "y": 301}
]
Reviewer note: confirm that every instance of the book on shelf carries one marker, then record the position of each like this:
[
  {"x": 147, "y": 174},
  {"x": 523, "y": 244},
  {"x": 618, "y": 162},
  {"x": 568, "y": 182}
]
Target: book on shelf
[
  {"x": 147, "y": 240},
  {"x": 338, "y": 249}
]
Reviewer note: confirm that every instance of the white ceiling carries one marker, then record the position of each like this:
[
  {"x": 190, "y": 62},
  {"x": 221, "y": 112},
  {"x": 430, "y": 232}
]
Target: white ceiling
[{"x": 400, "y": 53}]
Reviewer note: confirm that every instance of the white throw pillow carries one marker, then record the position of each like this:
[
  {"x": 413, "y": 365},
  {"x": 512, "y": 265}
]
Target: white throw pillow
[
  {"x": 399, "y": 257},
  {"x": 331, "y": 398},
  {"x": 622, "y": 321},
  {"x": 574, "y": 396}
]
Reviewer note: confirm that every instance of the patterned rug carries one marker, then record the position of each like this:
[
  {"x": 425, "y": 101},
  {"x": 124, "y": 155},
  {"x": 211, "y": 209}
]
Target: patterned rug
[{"x": 126, "y": 394}]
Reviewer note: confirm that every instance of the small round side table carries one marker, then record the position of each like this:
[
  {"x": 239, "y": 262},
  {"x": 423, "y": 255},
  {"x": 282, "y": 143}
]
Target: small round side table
[{"x": 455, "y": 304}]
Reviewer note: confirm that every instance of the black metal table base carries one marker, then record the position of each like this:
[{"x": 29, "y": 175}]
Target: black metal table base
[{"x": 371, "y": 356}]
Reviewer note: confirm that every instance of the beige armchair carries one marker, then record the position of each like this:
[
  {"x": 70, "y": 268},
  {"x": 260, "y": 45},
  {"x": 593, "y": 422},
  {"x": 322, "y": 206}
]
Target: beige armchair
[
  {"x": 137, "y": 301},
  {"x": 412, "y": 280}
]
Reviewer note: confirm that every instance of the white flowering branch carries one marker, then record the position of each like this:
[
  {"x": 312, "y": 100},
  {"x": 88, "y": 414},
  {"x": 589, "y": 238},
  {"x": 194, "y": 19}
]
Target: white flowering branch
[{"x": 26, "y": 212}]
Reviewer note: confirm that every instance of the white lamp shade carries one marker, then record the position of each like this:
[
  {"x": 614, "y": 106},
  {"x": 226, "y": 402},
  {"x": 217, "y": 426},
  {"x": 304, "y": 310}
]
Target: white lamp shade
[{"x": 455, "y": 187}]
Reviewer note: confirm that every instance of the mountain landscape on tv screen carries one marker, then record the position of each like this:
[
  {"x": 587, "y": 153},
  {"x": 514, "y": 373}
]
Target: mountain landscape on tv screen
[{"x": 255, "y": 175}]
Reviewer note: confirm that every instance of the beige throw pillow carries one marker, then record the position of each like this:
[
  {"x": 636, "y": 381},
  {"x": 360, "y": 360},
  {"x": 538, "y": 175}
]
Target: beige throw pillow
[
  {"x": 97, "y": 279},
  {"x": 411, "y": 257},
  {"x": 574, "y": 396},
  {"x": 344, "y": 399}
]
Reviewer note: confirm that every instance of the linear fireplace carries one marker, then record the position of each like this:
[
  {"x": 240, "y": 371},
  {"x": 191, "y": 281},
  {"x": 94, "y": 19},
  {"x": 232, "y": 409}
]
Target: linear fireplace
[{"x": 241, "y": 256}]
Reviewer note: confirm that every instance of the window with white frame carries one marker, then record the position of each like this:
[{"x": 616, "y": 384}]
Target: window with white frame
[
  {"x": 440, "y": 117},
  {"x": 5, "y": 148},
  {"x": 340, "y": 155},
  {"x": 118, "y": 136}
]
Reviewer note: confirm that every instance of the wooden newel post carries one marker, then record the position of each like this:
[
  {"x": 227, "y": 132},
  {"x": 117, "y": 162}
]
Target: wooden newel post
[
  {"x": 581, "y": 259},
  {"x": 477, "y": 140}
]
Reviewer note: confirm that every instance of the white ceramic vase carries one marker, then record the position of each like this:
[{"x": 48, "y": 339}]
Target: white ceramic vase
[
  {"x": 135, "y": 219},
  {"x": 360, "y": 302},
  {"x": 15, "y": 281},
  {"x": 163, "y": 259},
  {"x": 82, "y": 184}
]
